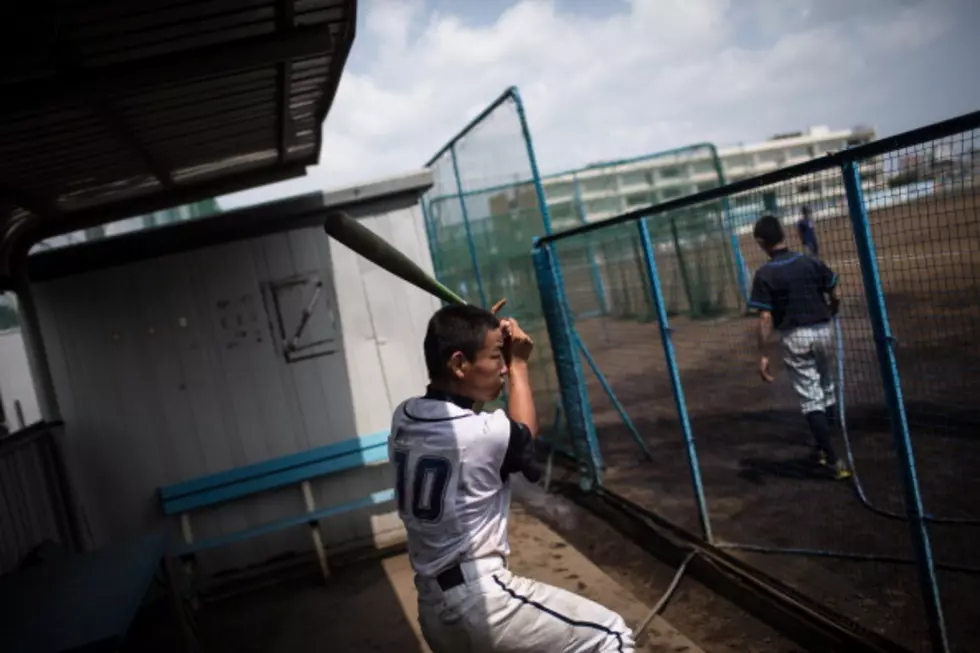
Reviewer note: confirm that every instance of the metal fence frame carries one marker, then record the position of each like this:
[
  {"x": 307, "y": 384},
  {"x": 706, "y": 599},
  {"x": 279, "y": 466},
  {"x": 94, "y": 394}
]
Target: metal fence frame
[
  {"x": 561, "y": 330},
  {"x": 740, "y": 270},
  {"x": 570, "y": 398}
]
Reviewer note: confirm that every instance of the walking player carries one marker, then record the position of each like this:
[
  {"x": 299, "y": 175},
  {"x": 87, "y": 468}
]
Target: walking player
[
  {"x": 807, "y": 232},
  {"x": 453, "y": 466},
  {"x": 797, "y": 295}
]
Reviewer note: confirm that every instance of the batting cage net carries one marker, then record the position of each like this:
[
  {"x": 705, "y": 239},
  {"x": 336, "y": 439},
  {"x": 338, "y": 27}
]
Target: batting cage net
[
  {"x": 482, "y": 215},
  {"x": 616, "y": 284},
  {"x": 844, "y": 466}
]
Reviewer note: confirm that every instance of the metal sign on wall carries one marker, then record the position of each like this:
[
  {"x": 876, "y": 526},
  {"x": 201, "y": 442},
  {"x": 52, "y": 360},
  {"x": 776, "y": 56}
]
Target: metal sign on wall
[{"x": 304, "y": 317}]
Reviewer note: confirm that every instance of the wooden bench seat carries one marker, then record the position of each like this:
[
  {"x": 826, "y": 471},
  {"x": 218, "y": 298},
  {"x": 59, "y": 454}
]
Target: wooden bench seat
[{"x": 183, "y": 498}]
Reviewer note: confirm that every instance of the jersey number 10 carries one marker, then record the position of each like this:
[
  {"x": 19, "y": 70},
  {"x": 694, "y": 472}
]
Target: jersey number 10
[{"x": 426, "y": 485}]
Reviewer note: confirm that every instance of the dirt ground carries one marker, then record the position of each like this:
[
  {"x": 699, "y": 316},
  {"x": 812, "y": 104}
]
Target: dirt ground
[
  {"x": 715, "y": 624},
  {"x": 751, "y": 438},
  {"x": 370, "y": 605}
]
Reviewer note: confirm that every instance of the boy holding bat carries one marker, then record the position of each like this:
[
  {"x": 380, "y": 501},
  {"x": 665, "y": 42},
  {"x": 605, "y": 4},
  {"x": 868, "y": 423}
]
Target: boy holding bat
[{"x": 453, "y": 466}]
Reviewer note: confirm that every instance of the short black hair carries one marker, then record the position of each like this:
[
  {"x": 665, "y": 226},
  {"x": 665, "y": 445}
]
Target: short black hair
[
  {"x": 455, "y": 328},
  {"x": 769, "y": 230}
]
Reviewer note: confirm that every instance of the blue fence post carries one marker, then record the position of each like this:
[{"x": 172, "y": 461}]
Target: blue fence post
[
  {"x": 891, "y": 380},
  {"x": 613, "y": 399},
  {"x": 430, "y": 233},
  {"x": 466, "y": 226},
  {"x": 741, "y": 270},
  {"x": 568, "y": 367},
  {"x": 600, "y": 290},
  {"x": 653, "y": 277}
]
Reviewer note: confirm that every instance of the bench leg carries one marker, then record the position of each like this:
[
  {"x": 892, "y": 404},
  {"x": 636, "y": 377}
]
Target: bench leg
[
  {"x": 187, "y": 630},
  {"x": 188, "y": 561},
  {"x": 321, "y": 552}
]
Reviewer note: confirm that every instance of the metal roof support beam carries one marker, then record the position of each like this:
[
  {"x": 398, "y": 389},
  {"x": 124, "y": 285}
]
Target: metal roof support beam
[
  {"x": 121, "y": 131},
  {"x": 66, "y": 57},
  {"x": 182, "y": 68},
  {"x": 285, "y": 16}
]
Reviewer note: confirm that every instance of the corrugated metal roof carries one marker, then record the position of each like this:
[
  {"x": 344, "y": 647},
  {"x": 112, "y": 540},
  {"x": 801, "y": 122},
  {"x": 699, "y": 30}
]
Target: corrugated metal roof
[
  {"x": 298, "y": 212},
  {"x": 116, "y": 108}
]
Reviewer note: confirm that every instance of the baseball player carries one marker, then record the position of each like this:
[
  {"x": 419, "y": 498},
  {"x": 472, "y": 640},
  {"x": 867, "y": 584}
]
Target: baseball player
[
  {"x": 453, "y": 466},
  {"x": 797, "y": 295},
  {"x": 808, "y": 235}
]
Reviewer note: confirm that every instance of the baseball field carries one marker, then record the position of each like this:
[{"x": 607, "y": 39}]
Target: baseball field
[{"x": 752, "y": 440}]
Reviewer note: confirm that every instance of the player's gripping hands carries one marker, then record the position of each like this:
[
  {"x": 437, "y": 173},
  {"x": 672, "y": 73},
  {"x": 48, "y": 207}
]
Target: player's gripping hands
[{"x": 517, "y": 344}]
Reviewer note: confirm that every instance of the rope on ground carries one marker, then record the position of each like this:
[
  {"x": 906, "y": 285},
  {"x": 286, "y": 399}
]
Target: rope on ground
[
  {"x": 640, "y": 630},
  {"x": 842, "y": 419}
]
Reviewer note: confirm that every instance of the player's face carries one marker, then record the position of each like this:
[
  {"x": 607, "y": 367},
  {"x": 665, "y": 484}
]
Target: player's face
[{"x": 483, "y": 377}]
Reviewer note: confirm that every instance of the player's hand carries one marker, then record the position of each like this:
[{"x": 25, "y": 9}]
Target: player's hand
[
  {"x": 517, "y": 344},
  {"x": 764, "y": 370}
]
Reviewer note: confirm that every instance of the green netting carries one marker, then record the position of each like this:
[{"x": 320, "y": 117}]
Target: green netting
[
  {"x": 480, "y": 236},
  {"x": 482, "y": 214}
]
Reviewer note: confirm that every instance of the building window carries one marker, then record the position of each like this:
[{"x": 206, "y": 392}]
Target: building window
[
  {"x": 736, "y": 161},
  {"x": 670, "y": 173},
  {"x": 635, "y": 179},
  {"x": 597, "y": 184},
  {"x": 559, "y": 191},
  {"x": 639, "y": 199},
  {"x": 770, "y": 156},
  {"x": 562, "y": 212},
  {"x": 702, "y": 167},
  {"x": 610, "y": 205}
]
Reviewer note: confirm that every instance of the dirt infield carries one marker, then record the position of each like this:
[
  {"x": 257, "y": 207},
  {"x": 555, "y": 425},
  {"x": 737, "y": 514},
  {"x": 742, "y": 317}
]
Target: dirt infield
[
  {"x": 371, "y": 605},
  {"x": 751, "y": 438}
]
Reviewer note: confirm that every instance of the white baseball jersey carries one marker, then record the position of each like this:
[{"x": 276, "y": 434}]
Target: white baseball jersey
[{"x": 452, "y": 467}]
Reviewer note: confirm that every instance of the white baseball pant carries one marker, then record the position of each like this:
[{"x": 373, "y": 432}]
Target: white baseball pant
[
  {"x": 494, "y": 610},
  {"x": 809, "y": 355}
]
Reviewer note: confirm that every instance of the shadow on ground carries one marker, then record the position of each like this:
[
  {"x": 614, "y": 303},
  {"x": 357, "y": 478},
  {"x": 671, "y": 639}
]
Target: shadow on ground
[{"x": 358, "y": 610}]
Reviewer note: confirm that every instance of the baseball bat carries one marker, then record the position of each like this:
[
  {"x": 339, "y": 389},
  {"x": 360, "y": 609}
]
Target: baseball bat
[{"x": 349, "y": 232}]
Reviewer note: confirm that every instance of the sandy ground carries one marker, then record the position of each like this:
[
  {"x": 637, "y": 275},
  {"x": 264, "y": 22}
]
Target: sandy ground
[{"x": 370, "y": 606}]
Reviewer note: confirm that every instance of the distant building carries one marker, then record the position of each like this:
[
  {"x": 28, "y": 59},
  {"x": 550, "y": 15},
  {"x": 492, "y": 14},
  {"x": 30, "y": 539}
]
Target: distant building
[
  {"x": 503, "y": 220},
  {"x": 605, "y": 190}
]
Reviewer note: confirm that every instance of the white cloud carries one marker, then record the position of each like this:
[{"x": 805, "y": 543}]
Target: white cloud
[{"x": 657, "y": 74}]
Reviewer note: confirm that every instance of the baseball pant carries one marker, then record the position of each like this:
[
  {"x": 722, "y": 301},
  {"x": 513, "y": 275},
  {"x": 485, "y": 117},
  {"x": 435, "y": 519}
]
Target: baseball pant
[
  {"x": 494, "y": 610},
  {"x": 808, "y": 353}
]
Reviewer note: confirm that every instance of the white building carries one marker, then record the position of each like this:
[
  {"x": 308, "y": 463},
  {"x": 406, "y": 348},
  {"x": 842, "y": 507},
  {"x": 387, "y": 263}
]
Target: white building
[{"x": 607, "y": 189}]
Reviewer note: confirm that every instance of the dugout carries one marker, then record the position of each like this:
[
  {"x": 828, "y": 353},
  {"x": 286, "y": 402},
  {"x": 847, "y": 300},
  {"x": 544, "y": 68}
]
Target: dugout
[
  {"x": 168, "y": 356},
  {"x": 118, "y": 109}
]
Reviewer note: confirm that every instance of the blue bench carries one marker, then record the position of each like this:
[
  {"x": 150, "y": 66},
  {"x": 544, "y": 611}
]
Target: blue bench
[{"x": 183, "y": 498}]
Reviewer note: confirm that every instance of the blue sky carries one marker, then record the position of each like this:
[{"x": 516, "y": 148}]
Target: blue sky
[{"x": 616, "y": 78}]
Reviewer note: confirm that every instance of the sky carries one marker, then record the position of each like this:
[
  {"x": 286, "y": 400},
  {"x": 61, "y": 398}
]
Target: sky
[{"x": 610, "y": 79}]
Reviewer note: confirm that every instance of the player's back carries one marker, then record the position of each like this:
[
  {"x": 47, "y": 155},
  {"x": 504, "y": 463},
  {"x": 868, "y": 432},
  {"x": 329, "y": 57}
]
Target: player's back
[
  {"x": 451, "y": 495},
  {"x": 793, "y": 287}
]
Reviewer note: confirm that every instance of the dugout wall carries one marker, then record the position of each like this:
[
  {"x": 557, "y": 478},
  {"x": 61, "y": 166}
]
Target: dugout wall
[{"x": 167, "y": 353}]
